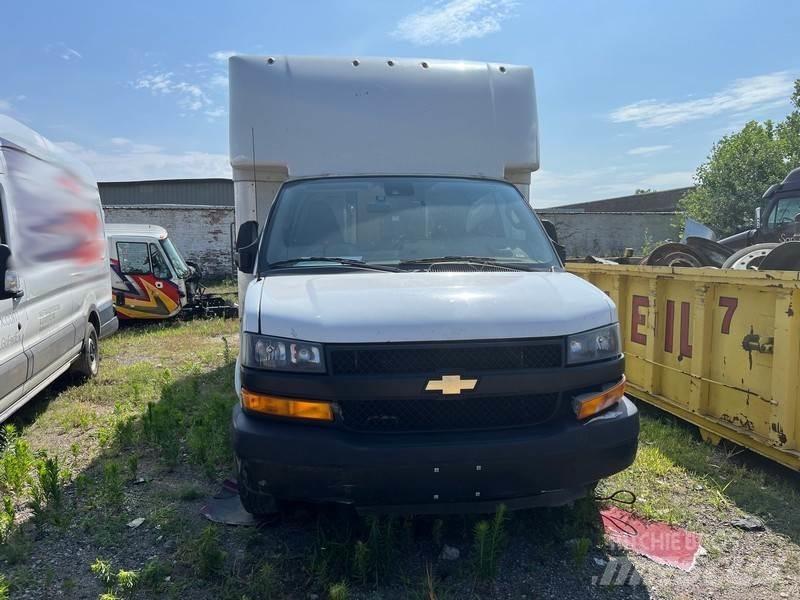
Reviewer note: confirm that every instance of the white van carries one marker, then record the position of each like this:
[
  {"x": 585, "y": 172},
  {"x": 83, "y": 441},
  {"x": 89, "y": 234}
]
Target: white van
[
  {"x": 149, "y": 277},
  {"x": 55, "y": 283},
  {"x": 410, "y": 339}
]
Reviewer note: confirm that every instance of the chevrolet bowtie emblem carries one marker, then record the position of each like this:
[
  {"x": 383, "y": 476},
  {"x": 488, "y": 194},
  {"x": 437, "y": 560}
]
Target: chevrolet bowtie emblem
[{"x": 450, "y": 385}]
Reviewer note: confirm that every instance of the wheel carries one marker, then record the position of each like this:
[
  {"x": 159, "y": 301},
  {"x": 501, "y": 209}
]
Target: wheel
[
  {"x": 256, "y": 503},
  {"x": 748, "y": 258},
  {"x": 88, "y": 363}
]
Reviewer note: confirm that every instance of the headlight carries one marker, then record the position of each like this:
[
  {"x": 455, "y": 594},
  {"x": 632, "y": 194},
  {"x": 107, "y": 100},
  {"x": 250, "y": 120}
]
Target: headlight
[
  {"x": 277, "y": 354},
  {"x": 597, "y": 344}
]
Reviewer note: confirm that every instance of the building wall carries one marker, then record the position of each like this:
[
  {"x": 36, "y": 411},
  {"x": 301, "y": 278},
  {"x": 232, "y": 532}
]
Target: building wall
[
  {"x": 608, "y": 234},
  {"x": 201, "y": 233},
  {"x": 196, "y": 192}
]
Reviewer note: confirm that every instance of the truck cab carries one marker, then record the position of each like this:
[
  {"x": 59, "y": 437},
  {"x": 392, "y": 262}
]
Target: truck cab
[
  {"x": 149, "y": 277},
  {"x": 410, "y": 340},
  {"x": 777, "y": 218}
]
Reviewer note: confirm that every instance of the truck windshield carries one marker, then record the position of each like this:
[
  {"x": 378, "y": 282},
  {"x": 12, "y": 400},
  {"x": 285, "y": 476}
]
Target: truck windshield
[
  {"x": 403, "y": 222},
  {"x": 180, "y": 266}
]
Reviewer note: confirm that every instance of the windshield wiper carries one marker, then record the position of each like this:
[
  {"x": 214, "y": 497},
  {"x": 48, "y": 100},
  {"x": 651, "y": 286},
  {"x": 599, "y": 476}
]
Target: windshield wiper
[
  {"x": 475, "y": 260},
  {"x": 347, "y": 262}
]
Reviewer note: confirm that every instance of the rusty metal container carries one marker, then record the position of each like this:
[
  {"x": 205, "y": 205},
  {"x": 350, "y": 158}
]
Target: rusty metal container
[{"x": 718, "y": 348}]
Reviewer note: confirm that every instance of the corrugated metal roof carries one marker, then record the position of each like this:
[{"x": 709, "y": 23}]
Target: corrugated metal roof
[{"x": 208, "y": 192}]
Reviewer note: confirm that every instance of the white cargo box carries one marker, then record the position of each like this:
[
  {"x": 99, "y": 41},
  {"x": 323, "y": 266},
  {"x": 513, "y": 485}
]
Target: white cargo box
[{"x": 309, "y": 116}]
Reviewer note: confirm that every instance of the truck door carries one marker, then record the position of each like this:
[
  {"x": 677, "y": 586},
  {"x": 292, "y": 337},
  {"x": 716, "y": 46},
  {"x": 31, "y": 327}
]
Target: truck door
[
  {"x": 780, "y": 222},
  {"x": 13, "y": 361}
]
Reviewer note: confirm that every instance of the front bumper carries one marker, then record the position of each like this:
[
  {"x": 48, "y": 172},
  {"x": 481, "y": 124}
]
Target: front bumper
[{"x": 434, "y": 472}]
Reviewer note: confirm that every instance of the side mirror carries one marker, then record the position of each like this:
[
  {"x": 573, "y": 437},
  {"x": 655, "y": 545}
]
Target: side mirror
[
  {"x": 247, "y": 246},
  {"x": 9, "y": 280},
  {"x": 758, "y": 217},
  {"x": 553, "y": 235},
  {"x": 550, "y": 229}
]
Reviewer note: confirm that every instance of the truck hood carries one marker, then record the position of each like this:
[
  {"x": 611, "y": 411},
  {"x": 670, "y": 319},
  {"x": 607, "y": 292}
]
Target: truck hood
[{"x": 366, "y": 307}]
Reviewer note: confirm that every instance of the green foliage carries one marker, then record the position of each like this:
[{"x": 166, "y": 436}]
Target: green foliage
[
  {"x": 47, "y": 496},
  {"x": 581, "y": 550},
  {"x": 339, "y": 591},
  {"x": 112, "y": 492},
  {"x": 16, "y": 461},
  {"x": 153, "y": 574},
  {"x": 263, "y": 583},
  {"x": 739, "y": 169},
  {"x": 4, "y": 588},
  {"x": 102, "y": 570},
  {"x": 488, "y": 539},
  {"x": 208, "y": 556}
]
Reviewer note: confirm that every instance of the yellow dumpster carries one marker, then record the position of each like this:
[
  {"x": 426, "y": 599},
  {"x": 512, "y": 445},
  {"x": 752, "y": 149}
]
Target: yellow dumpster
[{"x": 718, "y": 348}]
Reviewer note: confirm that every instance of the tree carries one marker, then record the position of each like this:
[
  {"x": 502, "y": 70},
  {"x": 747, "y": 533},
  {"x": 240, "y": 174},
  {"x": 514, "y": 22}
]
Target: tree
[
  {"x": 643, "y": 191},
  {"x": 739, "y": 169}
]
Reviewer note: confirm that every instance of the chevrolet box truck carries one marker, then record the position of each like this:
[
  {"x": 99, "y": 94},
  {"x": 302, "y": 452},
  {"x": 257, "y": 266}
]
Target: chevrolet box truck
[{"x": 410, "y": 341}]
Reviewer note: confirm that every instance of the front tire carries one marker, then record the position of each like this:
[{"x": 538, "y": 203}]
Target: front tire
[
  {"x": 88, "y": 364},
  {"x": 256, "y": 503}
]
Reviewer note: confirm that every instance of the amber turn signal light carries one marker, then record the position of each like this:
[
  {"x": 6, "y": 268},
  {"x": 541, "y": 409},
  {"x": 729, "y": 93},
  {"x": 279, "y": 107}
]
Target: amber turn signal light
[
  {"x": 587, "y": 405},
  {"x": 286, "y": 407}
]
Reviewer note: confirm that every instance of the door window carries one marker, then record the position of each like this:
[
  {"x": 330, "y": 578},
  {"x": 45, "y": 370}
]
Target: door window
[
  {"x": 784, "y": 212},
  {"x": 160, "y": 268},
  {"x": 134, "y": 258},
  {"x": 2, "y": 222}
]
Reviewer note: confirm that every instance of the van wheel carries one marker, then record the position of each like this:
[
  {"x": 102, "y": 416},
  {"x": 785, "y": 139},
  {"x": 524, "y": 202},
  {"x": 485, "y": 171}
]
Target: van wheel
[
  {"x": 88, "y": 363},
  {"x": 256, "y": 503}
]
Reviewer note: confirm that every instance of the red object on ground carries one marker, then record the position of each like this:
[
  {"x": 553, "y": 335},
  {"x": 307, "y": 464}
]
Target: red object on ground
[{"x": 659, "y": 542}]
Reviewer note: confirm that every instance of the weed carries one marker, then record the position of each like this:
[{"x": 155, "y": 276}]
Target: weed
[
  {"x": 133, "y": 466},
  {"x": 47, "y": 496},
  {"x": 153, "y": 574},
  {"x": 7, "y": 518},
  {"x": 15, "y": 548},
  {"x": 189, "y": 493},
  {"x": 487, "y": 544},
  {"x": 263, "y": 583},
  {"x": 16, "y": 461},
  {"x": 339, "y": 591},
  {"x": 127, "y": 581},
  {"x": 361, "y": 561},
  {"x": 4, "y": 591},
  {"x": 102, "y": 570},
  {"x": 125, "y": 432},
  {"x": 209, "y": 558},
  {"x": 581, "y": 550},
  {"x": 111, "y": 492}
]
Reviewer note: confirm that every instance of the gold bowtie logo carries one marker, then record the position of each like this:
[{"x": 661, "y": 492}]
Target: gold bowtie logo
[{"x": 450, "y": 385}]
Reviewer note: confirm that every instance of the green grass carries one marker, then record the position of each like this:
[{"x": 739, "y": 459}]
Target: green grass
[{"x": 160, "y": 410}]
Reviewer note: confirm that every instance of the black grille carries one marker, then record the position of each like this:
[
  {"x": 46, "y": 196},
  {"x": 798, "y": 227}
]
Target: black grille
[
  {"x": 441, "y": 413},
  {"x": 427, "y": 359}
]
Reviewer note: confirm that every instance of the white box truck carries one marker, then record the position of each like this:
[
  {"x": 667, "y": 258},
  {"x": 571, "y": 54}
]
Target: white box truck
[
  {"x": 410, "y": 339},
  {"x": 55, "y": 278}
]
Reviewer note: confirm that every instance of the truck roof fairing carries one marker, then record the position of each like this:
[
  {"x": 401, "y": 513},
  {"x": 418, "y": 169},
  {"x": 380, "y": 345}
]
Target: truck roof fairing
[{"x": 312, "y": 116}]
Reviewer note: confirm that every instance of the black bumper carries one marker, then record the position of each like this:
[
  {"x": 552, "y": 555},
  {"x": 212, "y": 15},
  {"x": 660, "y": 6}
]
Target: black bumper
[{"x": 434, "y": 472}]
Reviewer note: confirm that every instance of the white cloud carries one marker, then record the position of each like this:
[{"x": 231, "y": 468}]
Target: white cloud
[
  {"x": 219, "y": 80},
  {"x": 743, "y": 95},
  {"x": 5, "y": 105},
  {"x": 63, "y": 51},
  {"x": 146, "y": 161},
  {"x": 454, "y": 21},
  {"x": 191, "y": 97},
  {"x": 120, "y": 141},
  {"x": 222, "y": 55},
  {"x": 647, "y": 150},
  {"x": 550, "y": 188}
]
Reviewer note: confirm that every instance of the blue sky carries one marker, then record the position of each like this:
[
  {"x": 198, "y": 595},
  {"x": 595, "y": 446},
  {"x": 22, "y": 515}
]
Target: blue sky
[{"x": 631, "y": 93}]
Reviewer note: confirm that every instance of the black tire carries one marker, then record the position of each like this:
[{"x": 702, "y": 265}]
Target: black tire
[
  {"x": 256, "y": 503},
  {"x": 88, "y": 363}
]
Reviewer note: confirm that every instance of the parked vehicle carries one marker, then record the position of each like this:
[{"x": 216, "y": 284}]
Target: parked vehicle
[
  {"x": 151, "y": 279},
  {"x": 410, "y": 339},
  {"x": 776, "y": 218},
  {"x": 55, "y": 299}
]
